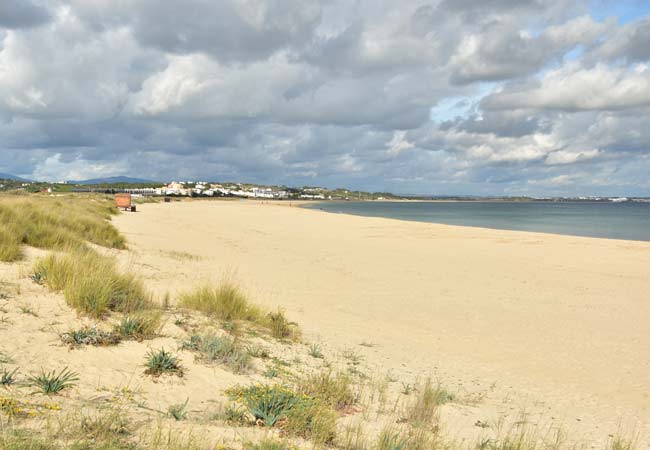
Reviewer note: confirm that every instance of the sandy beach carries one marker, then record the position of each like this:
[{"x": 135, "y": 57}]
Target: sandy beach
[{"x": 555, "y": 326}]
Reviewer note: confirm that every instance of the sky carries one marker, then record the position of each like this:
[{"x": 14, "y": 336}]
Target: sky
[{"x": 440, "y": 97}]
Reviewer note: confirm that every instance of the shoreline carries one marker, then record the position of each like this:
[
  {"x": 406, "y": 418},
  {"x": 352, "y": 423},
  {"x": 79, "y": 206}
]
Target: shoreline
[{"x": 311, "y": 205}]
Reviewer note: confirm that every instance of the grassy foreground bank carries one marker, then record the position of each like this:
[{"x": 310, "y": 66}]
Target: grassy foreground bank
[{"x": 55, "y": 223}]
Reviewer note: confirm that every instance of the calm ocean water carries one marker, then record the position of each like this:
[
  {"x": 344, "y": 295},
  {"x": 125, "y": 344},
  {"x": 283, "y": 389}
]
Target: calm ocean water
[{"x": 629, "y": 221}]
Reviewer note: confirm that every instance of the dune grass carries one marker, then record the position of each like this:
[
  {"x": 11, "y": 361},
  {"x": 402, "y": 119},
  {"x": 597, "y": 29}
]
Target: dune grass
[
  {"x": 228, "y": 302},
  {"x": 425, "y": 407},
  {"x": 225, "y": 301},
  {"x": 91, "y": 283},
  {"x": 55, "y": 224}
]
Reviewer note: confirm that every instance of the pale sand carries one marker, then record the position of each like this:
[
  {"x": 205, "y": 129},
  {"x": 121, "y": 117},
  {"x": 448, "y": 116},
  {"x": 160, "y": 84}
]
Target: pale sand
[{"x": 557, "y": 325}]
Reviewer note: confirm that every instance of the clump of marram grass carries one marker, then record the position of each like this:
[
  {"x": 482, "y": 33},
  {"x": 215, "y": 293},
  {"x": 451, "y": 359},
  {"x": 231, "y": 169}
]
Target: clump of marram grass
[
  {"x": 280, "y": 327},
  {"x": 50, "y": 224},
  {"x": 226, "y": 301},
  {"x": 161, "y": 362},
  {"x": 52, "y": 382},
  {"x": 618, "y": 442},
  {"x": 91, "y": 283},
  {"x": 412, "y": 438},
  {"x": 90, "y": 336},
  {"x": 141, "y": 325},
  {"x": 225, "y": 350},
  {"x": 424, "y": 409}
]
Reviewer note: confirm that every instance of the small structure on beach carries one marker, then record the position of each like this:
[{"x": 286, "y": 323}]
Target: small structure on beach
[{"x": 123, "y": 201}]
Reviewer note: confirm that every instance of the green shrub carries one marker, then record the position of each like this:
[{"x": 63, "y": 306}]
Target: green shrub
[
  {"x": 52, "y": 382},
  {"x": 219, "y": 349},
  {"x": 162, "y": 362}
]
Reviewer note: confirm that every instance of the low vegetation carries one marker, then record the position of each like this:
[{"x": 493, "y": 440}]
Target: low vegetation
[
  {"x": 52, "y": 382},
  {"x": 161, "y": 362},
  {"x": 55, "y": 224},
  {"x": 227, "y": 302},
  {"x": 295, "y": 413},
  {"x": 424, "y": 409},
  {"x": 213, "y": 348},
  {"x": 8, "y": 377},
  {"x": 91, "y": 283},
  {"x": 90, "y": 336},
  {"x": 178, "y": 411},
  {"x": 270, "y": 444},
  {"x": 333, "y": 389},
  {"x": 140, "y": 325}
]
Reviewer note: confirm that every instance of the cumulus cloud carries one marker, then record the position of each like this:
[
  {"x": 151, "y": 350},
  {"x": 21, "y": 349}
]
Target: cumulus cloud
[
  {"x": 575, "y": 88},
  {"x": 439, "y": 96}
]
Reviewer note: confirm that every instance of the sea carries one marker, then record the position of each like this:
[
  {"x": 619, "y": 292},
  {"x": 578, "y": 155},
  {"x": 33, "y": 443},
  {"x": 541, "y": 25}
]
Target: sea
[{"x": 611, "y": 220}]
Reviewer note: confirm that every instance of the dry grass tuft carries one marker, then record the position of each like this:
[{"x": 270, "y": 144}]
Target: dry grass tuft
[
  {"x": 226, "y": 301},
  {"x": 91, "y": 283},
  {"x": 424, "y": 409}
]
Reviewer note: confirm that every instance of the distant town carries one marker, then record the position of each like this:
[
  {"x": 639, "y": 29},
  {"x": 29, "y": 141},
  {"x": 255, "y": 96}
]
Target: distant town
[{"x": 190, "y": 188}]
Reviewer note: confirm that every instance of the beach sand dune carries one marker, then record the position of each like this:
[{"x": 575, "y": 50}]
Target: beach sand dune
[{"x": 557, "y": 326}]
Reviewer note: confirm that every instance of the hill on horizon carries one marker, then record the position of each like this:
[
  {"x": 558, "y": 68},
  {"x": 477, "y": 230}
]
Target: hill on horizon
[
  {"x": 8, "y": 176},
  {"x": 110, "y": 180}
]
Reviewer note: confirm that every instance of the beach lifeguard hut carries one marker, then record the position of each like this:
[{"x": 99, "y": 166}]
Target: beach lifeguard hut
[{"x": 123, "y": 201}]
